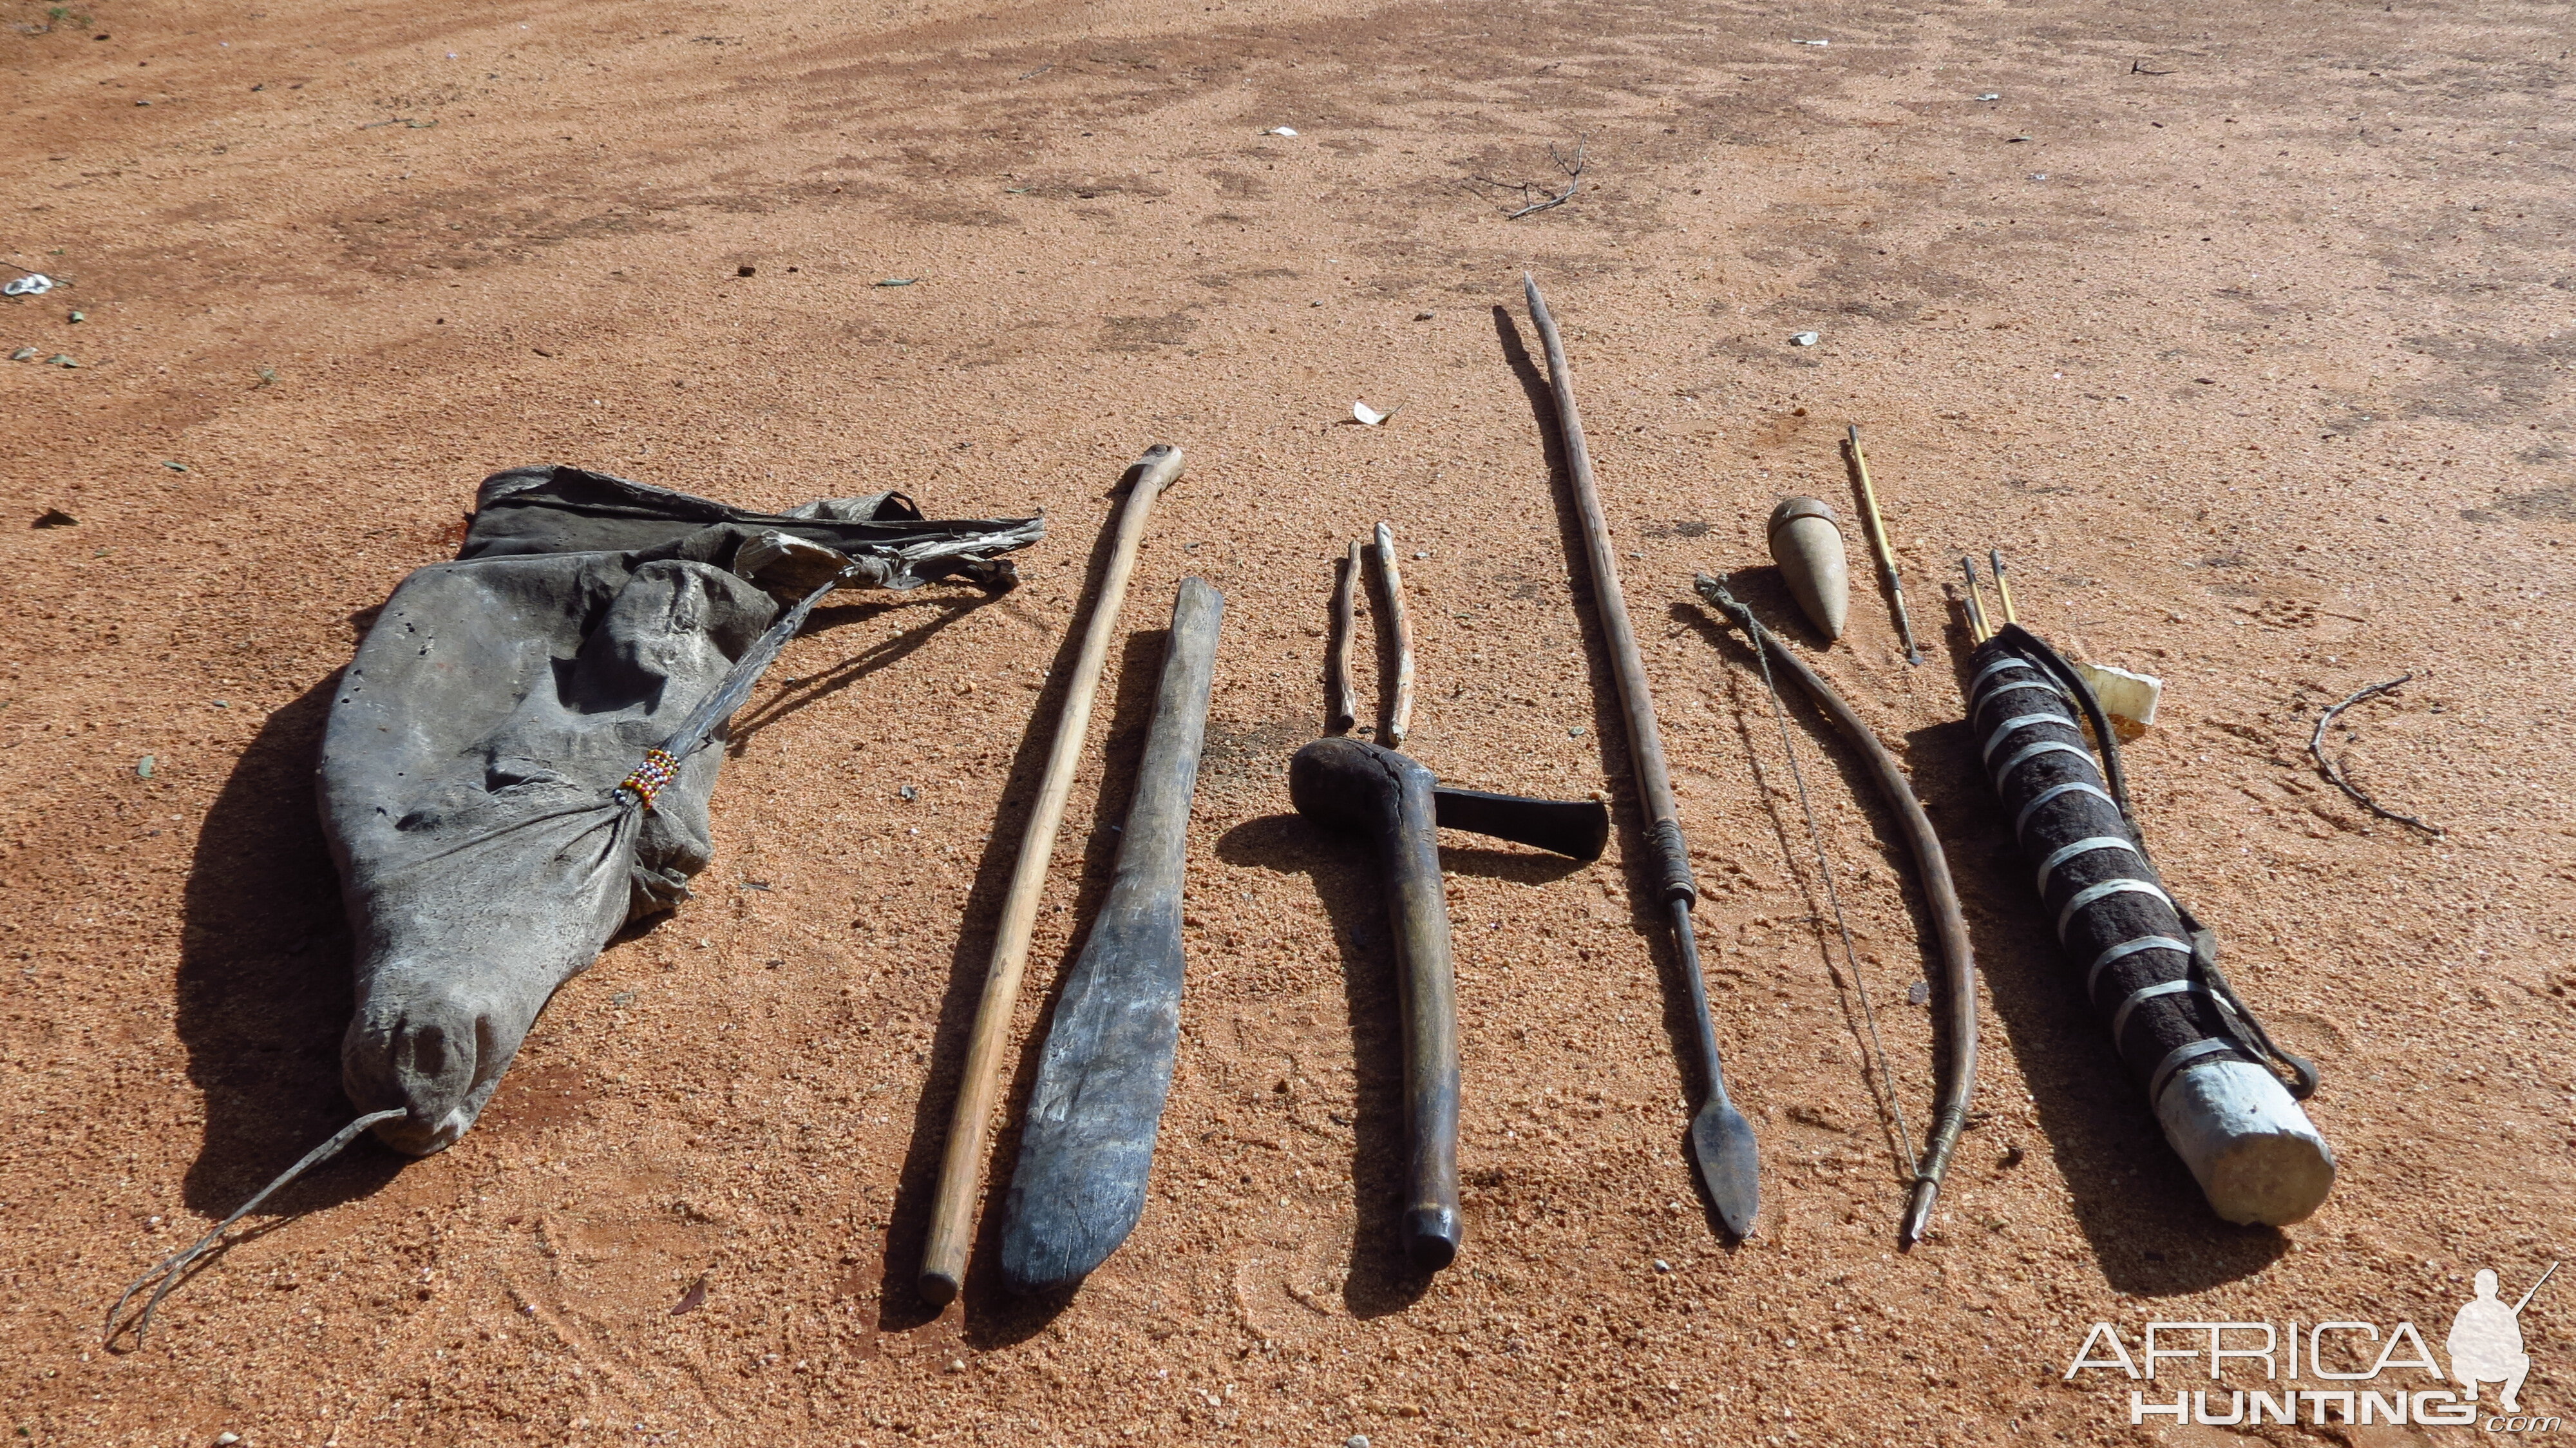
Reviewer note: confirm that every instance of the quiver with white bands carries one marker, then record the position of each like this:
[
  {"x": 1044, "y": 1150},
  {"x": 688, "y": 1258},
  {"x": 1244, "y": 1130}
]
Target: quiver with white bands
[{"x": 2149, "y": 969}]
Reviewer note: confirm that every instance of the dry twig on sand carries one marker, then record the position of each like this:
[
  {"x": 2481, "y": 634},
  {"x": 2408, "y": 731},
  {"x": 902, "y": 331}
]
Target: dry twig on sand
[
  {"x": 1572, "y": 166},
  {"x": 2334, "y": 771}
]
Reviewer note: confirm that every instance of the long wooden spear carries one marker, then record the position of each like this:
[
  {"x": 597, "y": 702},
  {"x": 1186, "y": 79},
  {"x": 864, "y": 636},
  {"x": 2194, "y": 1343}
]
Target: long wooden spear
[{"x": 1721, "y": 1140}]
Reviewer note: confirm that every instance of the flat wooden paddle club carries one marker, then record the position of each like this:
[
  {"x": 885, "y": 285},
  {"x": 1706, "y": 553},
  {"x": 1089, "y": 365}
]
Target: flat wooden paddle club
[
  {"x": 1087, "y": 1144},
  {"x": 1721, "y": 1140}
]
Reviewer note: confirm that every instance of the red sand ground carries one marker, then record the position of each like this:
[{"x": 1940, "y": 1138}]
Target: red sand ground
[{"x": 2242, "y": 329}]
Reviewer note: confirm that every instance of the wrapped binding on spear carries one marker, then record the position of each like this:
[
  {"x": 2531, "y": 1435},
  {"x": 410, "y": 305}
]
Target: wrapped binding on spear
[
  {"x": 518, "y": 764},
  {"x": 2147, "y": 965}
]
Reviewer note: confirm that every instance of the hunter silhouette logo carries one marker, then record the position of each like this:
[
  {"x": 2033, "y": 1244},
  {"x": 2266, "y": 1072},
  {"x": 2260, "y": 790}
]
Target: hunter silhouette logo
[
  {"x": 2486, "y": 1341},
  {"x": 2263, "y": 1372}
]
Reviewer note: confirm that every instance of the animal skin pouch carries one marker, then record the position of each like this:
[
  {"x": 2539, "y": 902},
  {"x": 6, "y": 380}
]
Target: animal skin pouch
[
  {"x": 516, "y": 764},
  {"x": 492, "y": 740}
]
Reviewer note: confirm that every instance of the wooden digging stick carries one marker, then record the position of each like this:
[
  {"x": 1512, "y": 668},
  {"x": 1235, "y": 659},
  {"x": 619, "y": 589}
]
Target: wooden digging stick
[
  {"x": 952, "y": 1211},
  {"x": 1399, "y": 698},
  {"x": 1341, "y": 699}
]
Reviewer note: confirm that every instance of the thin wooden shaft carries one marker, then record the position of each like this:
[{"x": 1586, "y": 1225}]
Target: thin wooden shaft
[
  {"x": 1668, "y": 857},
  {"x": 952, "y": 1211},
  {"x": 1869, "y": 500},
  {"x": 1341, "y": 699},
  {"x": 1399, "y": 699},
  {"x": 1879, "y": 544},
  {"x": 2535, "y": 1289},
  {"x": 1977, "y": 628},
  {"x": 2003, "y": 589}
]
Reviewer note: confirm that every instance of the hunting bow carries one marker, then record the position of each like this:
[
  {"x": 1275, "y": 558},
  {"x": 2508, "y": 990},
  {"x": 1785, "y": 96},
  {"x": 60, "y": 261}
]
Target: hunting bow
[{"x": 1958, "y": 977}]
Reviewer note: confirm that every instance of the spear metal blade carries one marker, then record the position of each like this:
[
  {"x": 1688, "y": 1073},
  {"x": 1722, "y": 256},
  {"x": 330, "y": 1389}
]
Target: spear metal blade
[{"x": 1729, "y": 1162}]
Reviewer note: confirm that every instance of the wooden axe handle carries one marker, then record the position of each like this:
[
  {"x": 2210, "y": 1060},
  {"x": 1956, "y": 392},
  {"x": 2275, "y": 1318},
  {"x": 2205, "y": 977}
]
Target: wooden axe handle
[{"x": 1353, "y": 785}]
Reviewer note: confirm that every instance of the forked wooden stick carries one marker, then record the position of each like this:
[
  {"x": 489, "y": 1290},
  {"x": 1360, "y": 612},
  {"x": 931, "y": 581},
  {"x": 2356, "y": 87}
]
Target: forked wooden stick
[{"x": 952, "y": 1211}]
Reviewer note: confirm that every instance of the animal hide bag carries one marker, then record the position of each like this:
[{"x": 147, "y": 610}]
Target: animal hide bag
[{"x": 479, "y": 775}]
